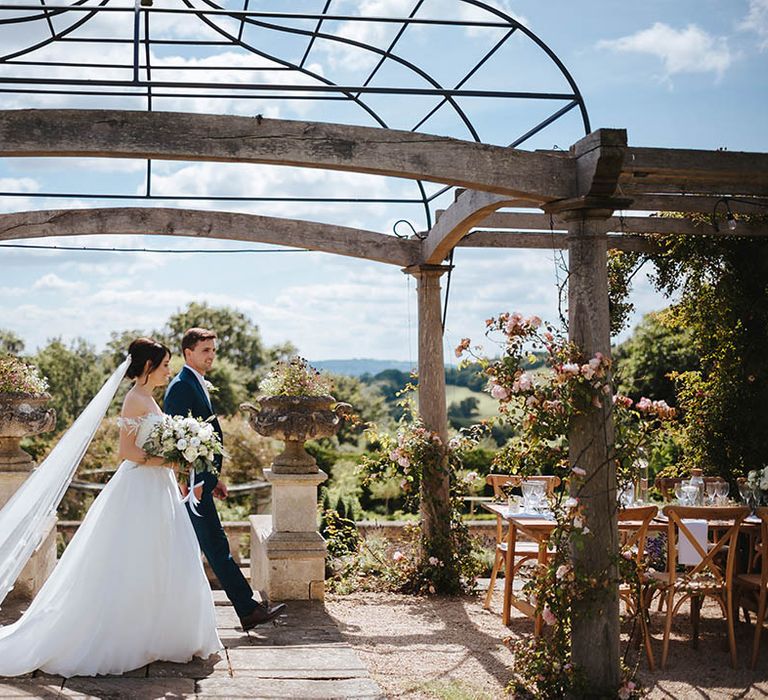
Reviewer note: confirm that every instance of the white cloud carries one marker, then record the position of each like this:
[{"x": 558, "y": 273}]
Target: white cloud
[
  {"x": 53, "y": 283},
  {"x": 689, "y": 50},
  {"x": 241, "y": 179},
  {"x": 757, "y": 21}
]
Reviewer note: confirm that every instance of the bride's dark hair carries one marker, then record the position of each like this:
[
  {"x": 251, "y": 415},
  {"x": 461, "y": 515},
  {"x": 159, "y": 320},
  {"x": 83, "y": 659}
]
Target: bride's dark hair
[{"x": 143, "y": 350}]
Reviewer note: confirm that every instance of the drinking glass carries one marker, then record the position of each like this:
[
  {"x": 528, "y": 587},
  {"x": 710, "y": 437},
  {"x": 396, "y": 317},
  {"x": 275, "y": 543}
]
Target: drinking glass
[
  {"x": 679, "y": 491},
  {"x": 711, "y": 487},
  {"x": 690, "y": 492},
  {"x": 723, "y": 489}
]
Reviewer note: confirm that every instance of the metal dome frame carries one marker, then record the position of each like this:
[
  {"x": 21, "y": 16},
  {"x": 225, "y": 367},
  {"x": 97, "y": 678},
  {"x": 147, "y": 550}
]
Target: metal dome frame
[{"x": 144, "y": 83}]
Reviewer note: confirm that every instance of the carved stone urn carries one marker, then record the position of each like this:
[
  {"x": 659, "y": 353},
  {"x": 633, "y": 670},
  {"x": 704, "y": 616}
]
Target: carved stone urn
[
  {"x": 296, "y": 419},
  {"x": 22, "y": 415}
]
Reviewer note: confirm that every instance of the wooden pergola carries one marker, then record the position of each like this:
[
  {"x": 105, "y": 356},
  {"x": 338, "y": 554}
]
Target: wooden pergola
[{"x": 569, "y": 200}]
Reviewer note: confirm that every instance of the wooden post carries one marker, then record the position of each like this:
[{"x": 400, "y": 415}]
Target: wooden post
[
  {"x": 435, "y": 484},
  {"x": 595, "y": 624},
  {"x": 595, "y": 627}
]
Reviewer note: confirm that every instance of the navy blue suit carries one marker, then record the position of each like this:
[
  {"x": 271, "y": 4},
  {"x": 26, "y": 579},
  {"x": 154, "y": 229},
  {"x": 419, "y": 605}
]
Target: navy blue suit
[{"x": 185, "y": 396}]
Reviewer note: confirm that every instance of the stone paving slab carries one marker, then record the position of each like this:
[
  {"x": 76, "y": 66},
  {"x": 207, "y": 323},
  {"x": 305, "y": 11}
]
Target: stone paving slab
[
  {"x": 29, "y": 688},
  {"x": 302, "y": 655},
  {"x": 118, "y": 687},
  {"x": 258, "y": 688}
]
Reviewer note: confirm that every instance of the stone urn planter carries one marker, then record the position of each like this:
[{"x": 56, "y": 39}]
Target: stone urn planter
[
  {"x": 22, "y": 415},
  {"x": 296, "y": 419}
]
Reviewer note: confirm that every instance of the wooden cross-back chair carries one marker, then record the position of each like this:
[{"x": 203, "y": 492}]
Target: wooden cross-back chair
[
  {"x": 523, "y": 550},
  {"x": 712, "y": 575},
  {"x": 757, "y": 582},
  {"x": 633, "y": 531}
]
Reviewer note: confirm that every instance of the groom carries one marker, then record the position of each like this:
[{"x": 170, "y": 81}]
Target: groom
[{"x": 189, "y": 393}]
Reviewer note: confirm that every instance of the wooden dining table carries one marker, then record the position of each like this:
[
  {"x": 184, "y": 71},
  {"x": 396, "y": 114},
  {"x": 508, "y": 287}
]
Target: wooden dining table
[{"x": 538, "y": 529}]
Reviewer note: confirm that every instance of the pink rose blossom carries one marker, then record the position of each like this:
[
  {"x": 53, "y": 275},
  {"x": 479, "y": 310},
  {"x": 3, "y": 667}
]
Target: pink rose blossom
[
  {"x": 562, "y": 571},
  {"x": 548, "y": 616},
  {"x": 397, "y": 556},
  {"x": 571, "y": 502},
  {"x": 525, "y": 381},
  {"x": 499, "y": 392},
  {"x": 644, "y": 404},
  {"x": 534, "y": 322}
]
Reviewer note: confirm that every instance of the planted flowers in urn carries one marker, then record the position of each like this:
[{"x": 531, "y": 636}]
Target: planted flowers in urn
[
  {"x": 23, "y": 412},
  {"x": 296, "y": 405}
]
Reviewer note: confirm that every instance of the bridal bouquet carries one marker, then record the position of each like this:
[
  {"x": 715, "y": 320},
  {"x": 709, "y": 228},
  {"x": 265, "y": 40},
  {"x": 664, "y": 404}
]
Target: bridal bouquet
[{"x": 185, "y": 441}]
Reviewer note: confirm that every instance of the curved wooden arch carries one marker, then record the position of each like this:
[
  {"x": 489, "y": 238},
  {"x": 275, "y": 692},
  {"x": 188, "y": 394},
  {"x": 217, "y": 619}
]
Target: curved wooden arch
[
  {"x": 326, "y": 238},
  {"x": 227, "y": 138}
]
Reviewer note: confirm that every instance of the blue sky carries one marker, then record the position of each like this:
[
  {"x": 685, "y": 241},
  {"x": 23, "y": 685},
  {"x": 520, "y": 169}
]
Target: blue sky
[{"x": 684, "y": 74}]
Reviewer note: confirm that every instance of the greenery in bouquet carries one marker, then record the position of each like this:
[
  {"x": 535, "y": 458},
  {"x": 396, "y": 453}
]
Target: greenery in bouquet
[
  {"x": 188, "y": 442},
  {"x": 296, "y": 377},
  {"x": 18, "y": 377},
  {"x": 542, "y": 404}
]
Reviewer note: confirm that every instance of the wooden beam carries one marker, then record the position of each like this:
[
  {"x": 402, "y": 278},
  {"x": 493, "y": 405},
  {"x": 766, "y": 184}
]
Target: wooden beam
[
  {"x": 470, "y": 208},
  {"x": 719, "y": 187},
  {"x": 628, "y": 224},
  {"x": 228, "y": 138},
  {"x": 293, "y": 233},
  {"x": 695, "y": 164},
  {"x": 547, "y": 241},
  {"x": 694, "y": 203}
]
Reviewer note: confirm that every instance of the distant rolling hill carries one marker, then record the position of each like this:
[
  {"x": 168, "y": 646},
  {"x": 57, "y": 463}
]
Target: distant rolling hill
[{"x": 356, "y": 367}]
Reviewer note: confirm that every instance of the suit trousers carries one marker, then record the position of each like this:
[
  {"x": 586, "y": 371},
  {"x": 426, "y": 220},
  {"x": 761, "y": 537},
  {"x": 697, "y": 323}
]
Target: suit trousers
[{"x": 213, "y": 541}]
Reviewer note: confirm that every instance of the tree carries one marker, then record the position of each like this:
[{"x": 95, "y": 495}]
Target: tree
[
  {"x": 239, "y": 338},
  {"x": 723, "y": 304},
  {"x": 10, "y": 342},
  {"x": 646, "y": 361},
  {"x": 75, "y": 373}
]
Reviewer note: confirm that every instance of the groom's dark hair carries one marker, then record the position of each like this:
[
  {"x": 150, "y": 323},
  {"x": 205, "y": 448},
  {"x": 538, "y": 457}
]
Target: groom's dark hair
[{"x": 193, "y": 336}]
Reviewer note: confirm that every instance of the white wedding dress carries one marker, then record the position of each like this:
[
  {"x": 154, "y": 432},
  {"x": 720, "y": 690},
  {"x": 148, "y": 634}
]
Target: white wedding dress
[{"x": 129, "y": 589}]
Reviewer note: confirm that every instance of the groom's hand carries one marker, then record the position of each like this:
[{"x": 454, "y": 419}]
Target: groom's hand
[{"x": 220, "y": 491}]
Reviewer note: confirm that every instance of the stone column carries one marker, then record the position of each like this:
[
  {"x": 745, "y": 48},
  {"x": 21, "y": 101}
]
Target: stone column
[
  {"x": 22, "y": 416},
  {"x": 435, "y": 485}
]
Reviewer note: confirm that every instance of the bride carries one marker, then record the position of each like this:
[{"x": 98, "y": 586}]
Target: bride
[{"x": 130, "y": 587}]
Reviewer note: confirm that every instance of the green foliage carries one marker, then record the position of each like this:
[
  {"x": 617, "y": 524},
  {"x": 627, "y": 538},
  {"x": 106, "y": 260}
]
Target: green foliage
[
  {"x": 75, "y": 373},
  {"x": 239, "y": 339},
  {"x": 646, "y": 361},
  {"x": 722, "y": 284},
  {"x": 10, "y": 343},
  {"x": 367, "y": 402}
]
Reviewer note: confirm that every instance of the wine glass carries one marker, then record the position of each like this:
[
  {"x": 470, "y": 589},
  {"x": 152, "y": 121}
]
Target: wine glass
[
  {"x": 711, "y": 487},
  {"x": 679, "y": 491},
  {"x": 690, "y": 492},
  {"x": 723, "y": 489}
]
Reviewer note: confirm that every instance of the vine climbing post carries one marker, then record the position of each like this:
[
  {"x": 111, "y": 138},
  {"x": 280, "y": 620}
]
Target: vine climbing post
[
  {"x": 595, "y": 622},
  {"x": 435, "y": 485}
]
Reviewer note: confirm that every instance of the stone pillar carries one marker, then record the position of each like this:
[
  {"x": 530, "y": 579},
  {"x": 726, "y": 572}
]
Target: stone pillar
[
  {"x": 435, "y": 484},
  {"x": 21, "y": 416},
  {"x": 290, "y": 555},
  {"x": 287, "y": 551}
]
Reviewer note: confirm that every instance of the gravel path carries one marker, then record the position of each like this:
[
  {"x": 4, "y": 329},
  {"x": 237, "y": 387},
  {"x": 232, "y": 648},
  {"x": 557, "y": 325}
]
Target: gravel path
[{"x": 450, "y": 648}]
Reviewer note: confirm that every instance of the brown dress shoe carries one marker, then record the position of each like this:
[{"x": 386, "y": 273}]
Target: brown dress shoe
[{"x": 261, "y": 615}]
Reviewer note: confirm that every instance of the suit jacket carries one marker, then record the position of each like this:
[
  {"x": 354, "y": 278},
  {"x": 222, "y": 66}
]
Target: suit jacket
[{"x": 184, "y": 396}]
